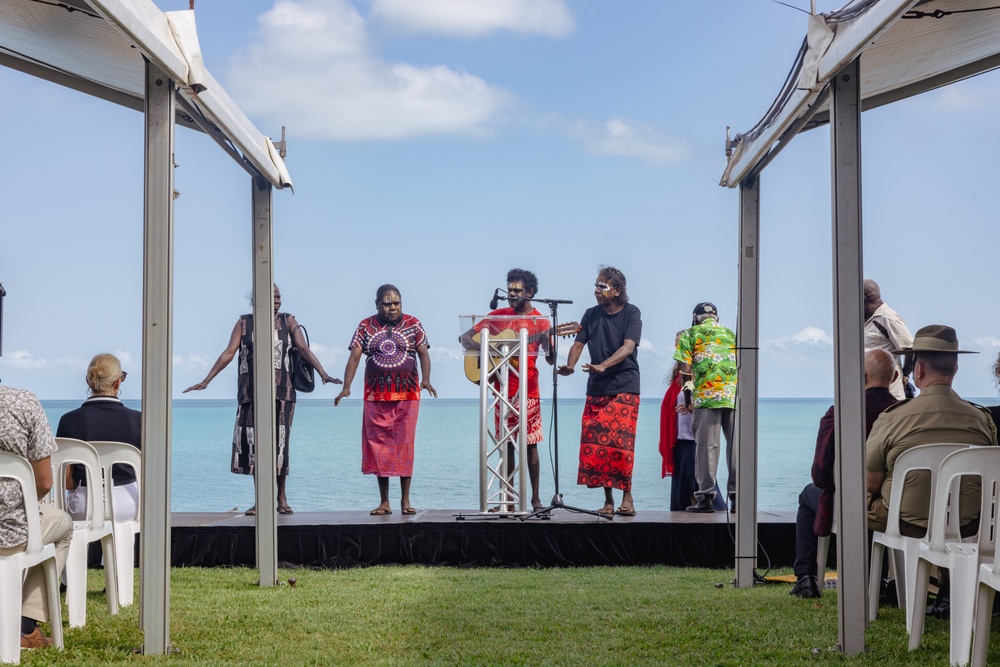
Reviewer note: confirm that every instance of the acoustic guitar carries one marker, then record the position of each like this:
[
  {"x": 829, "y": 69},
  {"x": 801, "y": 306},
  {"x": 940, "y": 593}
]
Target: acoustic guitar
[{"x": 473, "y": 369}]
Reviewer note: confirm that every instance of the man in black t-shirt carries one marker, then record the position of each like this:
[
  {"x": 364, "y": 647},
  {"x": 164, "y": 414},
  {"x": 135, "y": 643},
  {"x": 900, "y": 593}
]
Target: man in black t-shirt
[{"x": 611, "y": 331}]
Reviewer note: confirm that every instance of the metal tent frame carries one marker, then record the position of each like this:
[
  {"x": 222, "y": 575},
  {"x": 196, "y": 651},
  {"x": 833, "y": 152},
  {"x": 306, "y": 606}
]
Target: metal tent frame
[
  {"x": 131, "y": 53},
  {"x": 867, "y": 54}
]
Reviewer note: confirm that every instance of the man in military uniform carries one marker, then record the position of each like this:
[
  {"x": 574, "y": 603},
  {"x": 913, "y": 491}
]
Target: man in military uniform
[{"x": 938, "y": 414}]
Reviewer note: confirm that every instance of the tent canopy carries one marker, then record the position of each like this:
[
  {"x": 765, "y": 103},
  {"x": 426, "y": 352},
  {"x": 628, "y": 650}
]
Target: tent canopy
[
  {"x": 98, "y": 47},
  {"x": 906, "y": 47}
]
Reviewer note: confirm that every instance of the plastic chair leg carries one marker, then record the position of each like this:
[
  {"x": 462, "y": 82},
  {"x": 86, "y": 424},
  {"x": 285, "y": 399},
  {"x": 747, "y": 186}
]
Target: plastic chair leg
[
  {"x": 110, "y": 572},
  {"x": 76, "y": 582},
  {"x": 875, "y": 580},
  {"x": 981, "y": 626},
  {"x": 963, "y": 595},
  {"x": 10, "y": 614},
  {"x": 54, "y": 603},
  {"x": 822, "y": 555},
  {"x": 124, "y": 553},
  {"x": 923, "y": 575}
]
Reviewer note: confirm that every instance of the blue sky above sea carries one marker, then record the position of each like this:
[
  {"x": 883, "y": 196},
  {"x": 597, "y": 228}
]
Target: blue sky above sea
[{"x": 437, "y": 148}]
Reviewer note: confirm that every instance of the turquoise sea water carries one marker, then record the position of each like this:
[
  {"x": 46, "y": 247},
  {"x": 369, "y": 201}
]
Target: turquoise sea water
[{"x": 326, "y": 456}]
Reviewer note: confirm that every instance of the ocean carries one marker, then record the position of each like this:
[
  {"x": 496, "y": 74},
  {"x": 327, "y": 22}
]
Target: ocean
[{"x": 325, "y": 472}]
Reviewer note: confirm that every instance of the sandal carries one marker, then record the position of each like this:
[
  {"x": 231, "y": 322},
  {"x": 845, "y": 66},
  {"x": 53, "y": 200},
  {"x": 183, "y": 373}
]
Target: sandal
[
  {"x": 380, "y": 511},
  {"x": 606, "y": 511},
  {"x": 285, "y": 509},
  {"x": 625, "y": 511},
  {"x": 409, "y": 510},
  {"x": 251, "y": 512}
]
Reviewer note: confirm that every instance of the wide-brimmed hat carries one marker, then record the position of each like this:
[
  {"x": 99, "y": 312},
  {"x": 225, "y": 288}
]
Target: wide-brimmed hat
[{"x": 934, "y": 338}]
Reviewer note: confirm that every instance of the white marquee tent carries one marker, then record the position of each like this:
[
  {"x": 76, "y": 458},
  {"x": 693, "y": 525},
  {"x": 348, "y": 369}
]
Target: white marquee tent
[
  {"x": 867, "y": 54},
  {"x": 131, "y": 53}
]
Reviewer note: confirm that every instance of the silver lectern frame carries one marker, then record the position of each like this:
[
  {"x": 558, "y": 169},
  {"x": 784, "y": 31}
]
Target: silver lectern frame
[{"x": 497, "y": 473}]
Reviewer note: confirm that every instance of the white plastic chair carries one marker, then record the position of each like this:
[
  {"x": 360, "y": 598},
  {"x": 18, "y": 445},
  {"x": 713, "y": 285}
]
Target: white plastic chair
[
  {"x": 13, "y": 567},
  {"x": 962, "y": 559},
  {"x": 125, "y": 530},
  {"x": 989, "y": 583},
  {"x": 922, "y": 457},
  {"x": 95, "y": 527}
]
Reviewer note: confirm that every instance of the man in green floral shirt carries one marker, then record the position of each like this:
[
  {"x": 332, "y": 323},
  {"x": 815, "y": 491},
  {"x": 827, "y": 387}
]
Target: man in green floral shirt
[{"x": 707, "y": 354}]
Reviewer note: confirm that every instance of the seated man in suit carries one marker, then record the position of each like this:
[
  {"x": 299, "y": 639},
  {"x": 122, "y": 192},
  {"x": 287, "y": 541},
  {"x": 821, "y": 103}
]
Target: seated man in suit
[{"x": 815, "y": 515}]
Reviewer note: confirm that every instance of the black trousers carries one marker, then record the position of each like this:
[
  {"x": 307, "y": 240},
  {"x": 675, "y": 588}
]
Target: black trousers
[{"x": 805, "y": 538}]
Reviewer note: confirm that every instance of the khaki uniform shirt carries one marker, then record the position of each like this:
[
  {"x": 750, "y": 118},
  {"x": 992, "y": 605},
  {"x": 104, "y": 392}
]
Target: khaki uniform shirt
[{"x": 937, "y": 415}]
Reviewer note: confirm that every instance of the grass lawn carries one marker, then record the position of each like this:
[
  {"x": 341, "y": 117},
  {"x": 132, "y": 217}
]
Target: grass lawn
[{"x": 423, "y": 615}]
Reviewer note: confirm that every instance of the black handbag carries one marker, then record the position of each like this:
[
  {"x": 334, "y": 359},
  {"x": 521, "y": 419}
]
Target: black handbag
[{"x": 303, "y": 373}]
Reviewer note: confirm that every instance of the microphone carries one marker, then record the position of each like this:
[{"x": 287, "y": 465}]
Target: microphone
[{"x": 495, "y": 301}]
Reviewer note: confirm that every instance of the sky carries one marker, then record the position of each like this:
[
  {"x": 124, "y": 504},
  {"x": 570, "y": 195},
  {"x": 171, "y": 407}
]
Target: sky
[{"x": 435, "y": 144}]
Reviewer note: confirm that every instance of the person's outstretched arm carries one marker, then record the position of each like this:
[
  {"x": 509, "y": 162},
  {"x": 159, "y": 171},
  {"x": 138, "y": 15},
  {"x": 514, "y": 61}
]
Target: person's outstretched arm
[
  {"x": 223, "y": 360},
  {"x": 349, "y": 371},
  {"x": 299, "y": 339}
]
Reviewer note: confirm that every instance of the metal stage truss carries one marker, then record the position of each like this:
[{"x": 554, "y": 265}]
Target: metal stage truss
[{"x": 503, "y": 478}]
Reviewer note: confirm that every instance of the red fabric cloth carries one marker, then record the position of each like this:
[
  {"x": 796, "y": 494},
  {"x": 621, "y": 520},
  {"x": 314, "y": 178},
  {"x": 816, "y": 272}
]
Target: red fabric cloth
[
  {"x": 668, "y": 426},
  {"x": 534, "y": 433},
  {"x": 607, "y": 441},
  {"x": 387, "y": 431},
  {"x": 535, "y": 324}
]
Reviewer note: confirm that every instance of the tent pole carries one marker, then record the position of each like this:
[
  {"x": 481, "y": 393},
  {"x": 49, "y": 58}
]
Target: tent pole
[
  {"x": 265, "y": 472},
  {"x": 157, "y": 352},
  {"x": 748, "y": 328},
  {"x": 848, "y": 351}
]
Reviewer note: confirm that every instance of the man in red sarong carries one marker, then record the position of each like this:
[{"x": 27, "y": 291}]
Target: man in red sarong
[{"x": 611, "y": 331}]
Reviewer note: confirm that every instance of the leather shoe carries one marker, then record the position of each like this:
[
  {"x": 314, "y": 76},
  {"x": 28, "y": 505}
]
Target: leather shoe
[
  {"x": 35, "y": 639},
  {"x": 703, "y": 505},
  {"x": 941, "y": 607},
  {"x": 887, "y": 593},
  {"x": 806, "y": 587}
]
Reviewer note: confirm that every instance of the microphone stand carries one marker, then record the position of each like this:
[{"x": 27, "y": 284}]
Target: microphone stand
[{"x": 557, "y": 499}]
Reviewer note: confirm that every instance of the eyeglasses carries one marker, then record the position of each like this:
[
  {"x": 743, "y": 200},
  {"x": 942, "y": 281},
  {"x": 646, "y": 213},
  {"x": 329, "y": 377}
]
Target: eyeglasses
[
  {"x": 124, "y": 375},
  {"x": 603, "y": 287}
]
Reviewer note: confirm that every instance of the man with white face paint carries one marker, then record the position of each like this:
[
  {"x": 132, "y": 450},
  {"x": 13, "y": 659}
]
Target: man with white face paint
[{"x": 610, "y": 332}]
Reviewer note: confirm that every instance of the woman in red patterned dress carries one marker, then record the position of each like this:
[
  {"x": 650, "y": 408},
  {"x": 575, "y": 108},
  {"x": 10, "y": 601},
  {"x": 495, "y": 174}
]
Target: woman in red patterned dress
[{"x": 393, "y": 342}]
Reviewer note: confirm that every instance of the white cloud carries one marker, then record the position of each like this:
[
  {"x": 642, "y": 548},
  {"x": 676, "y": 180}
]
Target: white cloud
[
  {"x": 312, "y": 69},
  {"x": 551, "y": 18},
  {"x": 126, "y": 360},
  {"x": 988, "y": 341},
  {"x": 22, "y": 359},
  {"x": 959, "y": 97},
  {"x": 625, "y": 138},
  {"x": 809, "y": 336},
  {"x": 192, "y": 361},
  {"x": 971, "y": 95}
]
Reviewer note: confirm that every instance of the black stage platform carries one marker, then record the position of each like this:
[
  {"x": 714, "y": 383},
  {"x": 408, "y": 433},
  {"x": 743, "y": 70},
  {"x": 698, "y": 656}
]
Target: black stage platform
[{"x": 465, "y": 538}]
